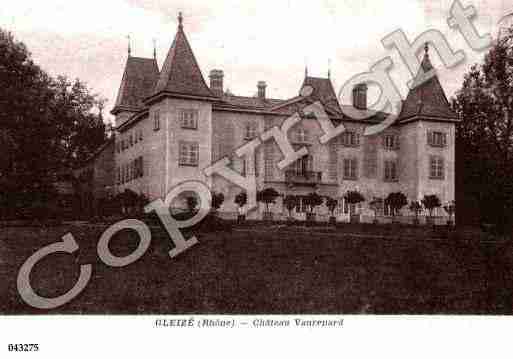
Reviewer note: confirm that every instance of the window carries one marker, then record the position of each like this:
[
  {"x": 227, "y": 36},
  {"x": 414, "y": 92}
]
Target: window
[
  {"x": 139, "y": 167},
  {"x": 250, "y": 131},
  {"x": 188, "y": 154},
  {"x": 189, "y": 119},
  {"x": 156, "y": 120},
  {"x": 350, "y": 139},
  {"x": 391, "y": 142},
  {"x": 436, "y": 167},
  {"x": 303, "y": 166},
  {"x": 140, "y": 134},
  {"x": 118, "y": 175},
  {"x": 437, "y": 139},
  {"x": 390, "y": 171},
  {"x": 300, "y": 135},
  {"x": 350, "y": 168}
]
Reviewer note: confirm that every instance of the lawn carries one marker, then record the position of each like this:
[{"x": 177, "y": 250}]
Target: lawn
[{"x": 266, "y": 271}]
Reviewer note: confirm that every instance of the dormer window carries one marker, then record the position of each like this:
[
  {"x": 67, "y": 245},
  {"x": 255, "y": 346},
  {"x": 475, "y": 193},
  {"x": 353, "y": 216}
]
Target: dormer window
[{"x": 189, "y": 119}]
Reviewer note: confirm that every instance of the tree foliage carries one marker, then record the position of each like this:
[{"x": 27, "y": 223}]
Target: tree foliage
[
  {"x": 396, "y": 201},
  {"x": 312, "y": 200},
  {"x": 430, "y": 202},
  {"x": 332, "y": 204},
  {"x": 46, "y": 124},
  {"x": 267, "y": 196},
  {"x": 217, "y": 200},
  {"x": 354, "y": 197},
  {"x": 241, "y": 199},
  {"x": 290, "y": 202},
  {"x": 484, "y": 137}
]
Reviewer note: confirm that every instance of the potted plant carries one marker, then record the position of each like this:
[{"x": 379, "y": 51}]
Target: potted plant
[
  {"x": 396, "y": 201},
  {"x": 290, "y": 202},
  {"x": 267, "y": 196},
  {"x": 240, "y": 200},
  {"x": 376, "y": 205},
  {"x": 430, "y": 202},
  {"x": 416, "y": 207},
  {"x": 332, "y": 204},
  {"x": 354, "y": 197},
  {"x": 312, "y": 200},
  {"x": 450, "y": 208}
]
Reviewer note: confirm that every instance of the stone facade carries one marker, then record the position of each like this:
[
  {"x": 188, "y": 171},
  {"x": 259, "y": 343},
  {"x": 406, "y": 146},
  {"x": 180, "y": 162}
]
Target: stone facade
[{"x": 154, "y": 150}]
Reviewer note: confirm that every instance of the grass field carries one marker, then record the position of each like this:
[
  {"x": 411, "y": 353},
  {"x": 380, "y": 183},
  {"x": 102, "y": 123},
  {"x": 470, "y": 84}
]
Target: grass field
[{"x": 266, "y": 271}]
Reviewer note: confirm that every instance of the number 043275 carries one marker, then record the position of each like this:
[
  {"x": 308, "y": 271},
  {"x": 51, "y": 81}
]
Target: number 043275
[{"x": 23, "y": 347}]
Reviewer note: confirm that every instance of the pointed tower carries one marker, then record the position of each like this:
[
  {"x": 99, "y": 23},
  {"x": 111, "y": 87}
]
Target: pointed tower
[
  {"x": 427, "y": 99},
  {"x": 427, "y": 140},
  {"x": 181, "y": 75},
  {"x": 180, "y": 113},
  {"x": 137, "y": 83}
]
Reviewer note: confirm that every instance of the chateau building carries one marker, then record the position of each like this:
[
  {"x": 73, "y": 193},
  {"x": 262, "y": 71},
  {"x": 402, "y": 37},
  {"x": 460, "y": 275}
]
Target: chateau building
[{"x": 171, "y": 125}]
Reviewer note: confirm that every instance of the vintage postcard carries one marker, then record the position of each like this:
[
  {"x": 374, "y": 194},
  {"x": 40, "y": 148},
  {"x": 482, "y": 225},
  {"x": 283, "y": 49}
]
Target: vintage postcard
[{"x": 283, "y": 169}]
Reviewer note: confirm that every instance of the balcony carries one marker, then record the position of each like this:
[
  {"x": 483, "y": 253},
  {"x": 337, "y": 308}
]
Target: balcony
[{"x": 304, "y": 178}]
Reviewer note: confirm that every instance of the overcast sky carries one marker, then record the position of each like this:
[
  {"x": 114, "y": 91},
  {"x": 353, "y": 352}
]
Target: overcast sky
[{"x": 250, "y": 40}]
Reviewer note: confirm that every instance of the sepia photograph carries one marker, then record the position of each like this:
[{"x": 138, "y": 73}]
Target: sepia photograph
[{"x": 255, "y": 164}]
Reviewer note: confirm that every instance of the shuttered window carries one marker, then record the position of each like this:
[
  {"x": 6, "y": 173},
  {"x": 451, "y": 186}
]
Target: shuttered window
[
  {"x": 390, "y": 169},
  {"x": 350, "y": 139},
  {"x": 350, "y": 168},
  {"x": 437, "y": 138},
  {"x": 391, "y": 142},
  {"x": 332, "y": 161}
]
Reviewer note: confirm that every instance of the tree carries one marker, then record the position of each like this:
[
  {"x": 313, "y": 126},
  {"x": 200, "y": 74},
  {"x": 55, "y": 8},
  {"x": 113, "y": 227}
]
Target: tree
[
  {"x": 430, "y": 202},
  {"x": 80, "y": 129},
  {"x": 267, "y": 196},
  {"x": 416, "y": 207},
  {"x": 396, "y": 201},
  {"x": 450, "y": 208},
  {"x": 217, "y": 200},
  {"x": 290, "y": 202},
  {"x": 332, "y": 204},
  {"x": 376, "y": 205},
  {"x": 47, "y": 125},
  {"x": 241, "y": 199},
  {"x": 354, "y": 197},
  {"x": 313, "y": 200},
  {"x": 484, "y": 137}
]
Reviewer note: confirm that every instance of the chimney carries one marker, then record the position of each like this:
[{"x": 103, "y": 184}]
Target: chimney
[
  {"x": 261, "y": 89},
  {"x": 360, "y": 96},
  {"x": 216, "y": 82}
]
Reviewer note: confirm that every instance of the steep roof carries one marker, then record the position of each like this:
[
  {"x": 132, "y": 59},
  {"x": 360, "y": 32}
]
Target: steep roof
[
  {"x": 137, "y": 83},
  {"x": 324, "y": 92},
  {"x": 250, "y": 102},
  {"x": 180, "y": 73},
  {"x": 428, "y": 98}
]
